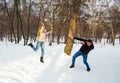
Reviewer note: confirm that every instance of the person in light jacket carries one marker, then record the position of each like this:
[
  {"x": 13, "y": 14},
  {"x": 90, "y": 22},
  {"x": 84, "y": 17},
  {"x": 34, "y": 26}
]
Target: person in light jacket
[{"x": 41, "y": 38}]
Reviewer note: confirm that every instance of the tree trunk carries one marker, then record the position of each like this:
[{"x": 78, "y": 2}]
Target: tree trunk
[
  {"x": 28, "y": 23},
  {"x": 72, "y": 30},
  {"x": 11, "y": 21},
  {"x": 111, "y": 25},
  {"x": 17, "y": 15}
]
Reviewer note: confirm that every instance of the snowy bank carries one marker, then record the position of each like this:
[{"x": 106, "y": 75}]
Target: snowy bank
[{"x": 19, "y": 64}]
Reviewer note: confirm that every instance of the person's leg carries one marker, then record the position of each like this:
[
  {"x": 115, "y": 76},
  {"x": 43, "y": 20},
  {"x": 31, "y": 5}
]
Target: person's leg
[
  {"x": 85, "y": 61},
  {"x": 42, "y": 51},
  {"x": 31, "y": 45},
  {"x": 37, "y": 46},
  {"x": 78, "y": 53}
]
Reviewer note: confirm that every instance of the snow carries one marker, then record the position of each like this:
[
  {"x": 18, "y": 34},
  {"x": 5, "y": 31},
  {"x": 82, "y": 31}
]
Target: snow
[{"x": 20, "y": 64}]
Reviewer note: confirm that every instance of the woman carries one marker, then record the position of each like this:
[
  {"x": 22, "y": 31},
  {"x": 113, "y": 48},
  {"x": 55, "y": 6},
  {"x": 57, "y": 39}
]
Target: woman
[{"x": 40, "y": 41}]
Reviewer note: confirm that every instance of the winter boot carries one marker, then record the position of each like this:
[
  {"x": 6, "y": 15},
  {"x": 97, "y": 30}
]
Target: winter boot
[
  {"x": 30, "y": 44},
  {"x": 72, "y": 66},
  {"x": 41, "y": 59},
  {"x": 88, "y": 69}
]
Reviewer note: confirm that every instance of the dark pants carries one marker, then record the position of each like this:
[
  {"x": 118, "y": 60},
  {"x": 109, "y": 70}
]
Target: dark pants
[{"x": 79, "y": 53}]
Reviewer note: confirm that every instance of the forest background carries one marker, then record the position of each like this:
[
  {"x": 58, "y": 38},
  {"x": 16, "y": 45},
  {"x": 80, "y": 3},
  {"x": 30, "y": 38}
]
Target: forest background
[{"x": 96, "y": 19}]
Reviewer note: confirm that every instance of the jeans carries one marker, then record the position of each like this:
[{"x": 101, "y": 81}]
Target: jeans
[
  {"x": 79, "y": 53},
  {"x": 39, "y": 44}
]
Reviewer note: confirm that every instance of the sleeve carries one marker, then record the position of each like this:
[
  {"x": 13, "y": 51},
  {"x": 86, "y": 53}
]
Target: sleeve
[
  {"x": 92, "y": 47},
  {"x": 80, "y": 39},
  {"x": 47, "y": 32}
]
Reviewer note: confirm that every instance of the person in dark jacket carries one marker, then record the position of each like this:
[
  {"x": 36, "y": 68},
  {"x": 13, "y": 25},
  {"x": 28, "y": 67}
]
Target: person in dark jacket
[{"x": 87, "y": 46}]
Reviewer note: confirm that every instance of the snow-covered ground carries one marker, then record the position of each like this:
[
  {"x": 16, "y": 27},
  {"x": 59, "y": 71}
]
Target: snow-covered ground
[{"x": 20, "y": 64}]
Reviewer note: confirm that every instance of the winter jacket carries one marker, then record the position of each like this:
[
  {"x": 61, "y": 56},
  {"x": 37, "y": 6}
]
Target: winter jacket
[
  {"x": 42, "y": 35},
  {"x": 85, "y": 48}
]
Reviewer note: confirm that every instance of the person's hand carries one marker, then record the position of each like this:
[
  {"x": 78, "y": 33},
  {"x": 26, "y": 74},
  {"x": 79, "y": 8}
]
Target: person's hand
[
  {"x": 82, "y": 42},
  {"x": 71, "y": 36},
  {"x": 51, "y": 30}
]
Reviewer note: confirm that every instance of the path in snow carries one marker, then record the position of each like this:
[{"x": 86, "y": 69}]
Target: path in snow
[{"x": 26, "y": 68}]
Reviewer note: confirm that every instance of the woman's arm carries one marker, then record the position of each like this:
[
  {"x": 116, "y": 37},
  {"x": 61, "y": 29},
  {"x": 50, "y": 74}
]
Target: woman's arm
[{"x": 48, "y": 32}]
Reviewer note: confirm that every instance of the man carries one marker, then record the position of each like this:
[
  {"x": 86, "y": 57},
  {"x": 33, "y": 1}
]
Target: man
[{"x": 87, "y": 46}]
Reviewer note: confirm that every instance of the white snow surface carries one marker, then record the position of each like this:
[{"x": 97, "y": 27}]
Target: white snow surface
[{"x": 20, "y": 64}]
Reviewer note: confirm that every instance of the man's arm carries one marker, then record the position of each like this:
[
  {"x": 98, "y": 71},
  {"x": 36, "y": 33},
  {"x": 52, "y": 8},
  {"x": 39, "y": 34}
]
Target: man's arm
[
  {"x": 92, "y": 46},
  {"x": 80, "y": 39},
  {"x": 77, "y": 38}
]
